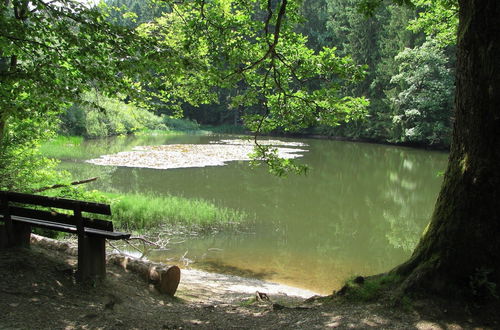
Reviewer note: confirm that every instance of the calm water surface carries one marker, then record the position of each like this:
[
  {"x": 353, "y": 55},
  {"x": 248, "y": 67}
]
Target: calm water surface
[{"x": 360, "y": 209}]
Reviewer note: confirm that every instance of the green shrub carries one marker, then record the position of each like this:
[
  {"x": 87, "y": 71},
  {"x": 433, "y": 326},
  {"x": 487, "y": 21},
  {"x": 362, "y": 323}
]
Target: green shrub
[{"x": 100, "y": 116}]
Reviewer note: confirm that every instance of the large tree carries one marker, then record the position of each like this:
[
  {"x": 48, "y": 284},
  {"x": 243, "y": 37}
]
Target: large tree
[{"x": 460, "y": 250}]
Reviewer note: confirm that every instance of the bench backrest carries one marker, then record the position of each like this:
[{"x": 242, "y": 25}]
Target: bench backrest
[{"x": 76, "y": 206}]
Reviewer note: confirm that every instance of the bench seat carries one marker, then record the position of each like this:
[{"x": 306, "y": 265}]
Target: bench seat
[
  {"x": 19, "y": 212},
  {"x": 68, "y": 228}
]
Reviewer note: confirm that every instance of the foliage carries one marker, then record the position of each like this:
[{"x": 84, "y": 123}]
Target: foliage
[
  {"x": 245, "y": 54},
  {"x": 223, "y": 42},
  {"x": 373, "y": 41},
  {"x": 132, "y": 13},
  {"x": 423, "y": 97},
  {"x": 52, "y": 51},
  {"x": 438, "y": 19},
  {"x": 22, "y": 168},
  {"x": 99, "y": 116},
  {"x": 49, "y": 53},
  {"x": 278, "y": 166},
  {"x": 180, "y": 124}
]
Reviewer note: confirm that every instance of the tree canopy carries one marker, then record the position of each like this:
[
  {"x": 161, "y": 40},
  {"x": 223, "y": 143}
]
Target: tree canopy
[{"x": 52, "y": 52}]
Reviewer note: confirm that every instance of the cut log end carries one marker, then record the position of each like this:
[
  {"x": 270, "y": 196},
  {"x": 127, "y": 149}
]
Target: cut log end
[{"x": 169, "y": 280}]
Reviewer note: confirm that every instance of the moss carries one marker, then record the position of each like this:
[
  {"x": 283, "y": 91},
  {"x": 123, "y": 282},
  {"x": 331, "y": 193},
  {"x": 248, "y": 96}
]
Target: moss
[{"x": 369, "y": 289}]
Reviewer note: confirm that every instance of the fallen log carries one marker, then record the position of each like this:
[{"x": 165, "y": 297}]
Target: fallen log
[{"x": 165, "y": 279}]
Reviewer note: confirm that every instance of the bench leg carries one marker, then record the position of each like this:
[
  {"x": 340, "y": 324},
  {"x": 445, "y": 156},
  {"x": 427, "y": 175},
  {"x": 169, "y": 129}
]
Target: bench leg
[
  {"x": 3, "y": 237},
  {"x": 21, "y": 234},
  {"x": 18, "y": 235},
  {"x": 91, "y": 258}
]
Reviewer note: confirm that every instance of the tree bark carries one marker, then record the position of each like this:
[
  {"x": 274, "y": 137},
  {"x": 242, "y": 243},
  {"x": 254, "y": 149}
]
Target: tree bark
[{"x": 461, "y": 246}]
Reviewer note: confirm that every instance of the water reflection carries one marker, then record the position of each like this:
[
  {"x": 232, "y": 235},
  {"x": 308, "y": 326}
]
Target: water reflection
[{"x": 360, "y": 210}]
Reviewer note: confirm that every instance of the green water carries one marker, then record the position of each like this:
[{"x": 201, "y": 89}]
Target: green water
[{"x": 360, "y": 209}]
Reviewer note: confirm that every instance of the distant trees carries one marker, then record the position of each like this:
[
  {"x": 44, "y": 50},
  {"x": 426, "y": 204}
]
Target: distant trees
[
  {"x": 372, "y": 41},
  {"x": 422, "y": 98},
  {"x": 382, "y": 42}
]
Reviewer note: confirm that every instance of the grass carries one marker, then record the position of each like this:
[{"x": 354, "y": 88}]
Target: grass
[
  {"x": 146, "y": 212},
  {"x": 63, "y": 147}
]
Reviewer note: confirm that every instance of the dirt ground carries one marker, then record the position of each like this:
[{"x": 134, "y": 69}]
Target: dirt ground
[{"x": 38, "y": 291}]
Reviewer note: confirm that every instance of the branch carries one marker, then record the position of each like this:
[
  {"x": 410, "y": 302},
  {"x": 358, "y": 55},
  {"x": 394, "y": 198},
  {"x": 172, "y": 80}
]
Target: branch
[
  {"x": 276, "y": 35},
  {"x": 14, "y": 39},
  {"x": 74, "y": 183}
]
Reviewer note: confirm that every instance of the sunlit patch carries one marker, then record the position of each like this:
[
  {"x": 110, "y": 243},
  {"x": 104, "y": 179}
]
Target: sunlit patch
[
  {"x": 428, "y": 325},
  {"x": 217, "y": 153}
]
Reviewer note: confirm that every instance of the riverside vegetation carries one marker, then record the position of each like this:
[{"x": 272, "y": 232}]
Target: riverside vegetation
[{"x": 137, "y": 212}]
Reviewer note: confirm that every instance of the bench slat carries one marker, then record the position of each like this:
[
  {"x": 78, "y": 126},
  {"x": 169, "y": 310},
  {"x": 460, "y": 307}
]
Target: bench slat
[
  {"x": 61, "y": 203},
  {"x": 62, "y": 218},
  {"x": 68, "y": 228}
]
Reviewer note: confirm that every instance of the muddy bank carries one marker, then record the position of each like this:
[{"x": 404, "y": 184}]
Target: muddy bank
[{"x": 195, "y": 285}]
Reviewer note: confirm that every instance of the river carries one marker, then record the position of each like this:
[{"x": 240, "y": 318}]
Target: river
[{"x": 360, "y": 209}]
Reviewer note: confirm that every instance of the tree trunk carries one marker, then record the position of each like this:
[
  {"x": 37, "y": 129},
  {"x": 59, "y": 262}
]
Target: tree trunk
[{"x": 461, "y": 247}]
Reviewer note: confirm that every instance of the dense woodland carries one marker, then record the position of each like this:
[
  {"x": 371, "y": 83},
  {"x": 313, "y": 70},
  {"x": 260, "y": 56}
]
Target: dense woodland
[
  {"x": 408, "y": 72},
  {"x": 359, "y": 69}
]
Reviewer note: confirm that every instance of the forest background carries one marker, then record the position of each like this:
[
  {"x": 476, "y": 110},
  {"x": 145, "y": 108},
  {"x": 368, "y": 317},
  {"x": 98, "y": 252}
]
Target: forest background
[{"x": 407, "y": 52}]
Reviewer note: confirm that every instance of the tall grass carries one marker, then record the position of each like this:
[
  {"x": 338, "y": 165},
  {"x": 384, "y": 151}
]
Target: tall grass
[{"x": 146, "y": 212}]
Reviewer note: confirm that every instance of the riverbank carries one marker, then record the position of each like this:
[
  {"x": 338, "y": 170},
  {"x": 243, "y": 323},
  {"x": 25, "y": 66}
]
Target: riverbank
[{"x": 37, "y": 290}]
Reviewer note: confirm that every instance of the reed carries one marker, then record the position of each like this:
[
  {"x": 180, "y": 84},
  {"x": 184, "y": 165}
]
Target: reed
[{"x": 147, "y": 212}]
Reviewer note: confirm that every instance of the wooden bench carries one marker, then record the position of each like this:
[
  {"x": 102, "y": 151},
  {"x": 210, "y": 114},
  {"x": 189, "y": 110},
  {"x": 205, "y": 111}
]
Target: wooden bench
[{"x": 92, "y": 233}]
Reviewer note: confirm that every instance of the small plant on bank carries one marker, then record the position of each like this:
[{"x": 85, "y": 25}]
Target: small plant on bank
[{"x": 366, "y": 290}]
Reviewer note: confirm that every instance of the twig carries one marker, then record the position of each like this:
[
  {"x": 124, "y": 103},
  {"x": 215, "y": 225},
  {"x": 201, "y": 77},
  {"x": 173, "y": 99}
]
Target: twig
[
  {"x": 136, "y": 248},
  {"x": 145, "y": 241},
  {"x": 114, "y": 247}
]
